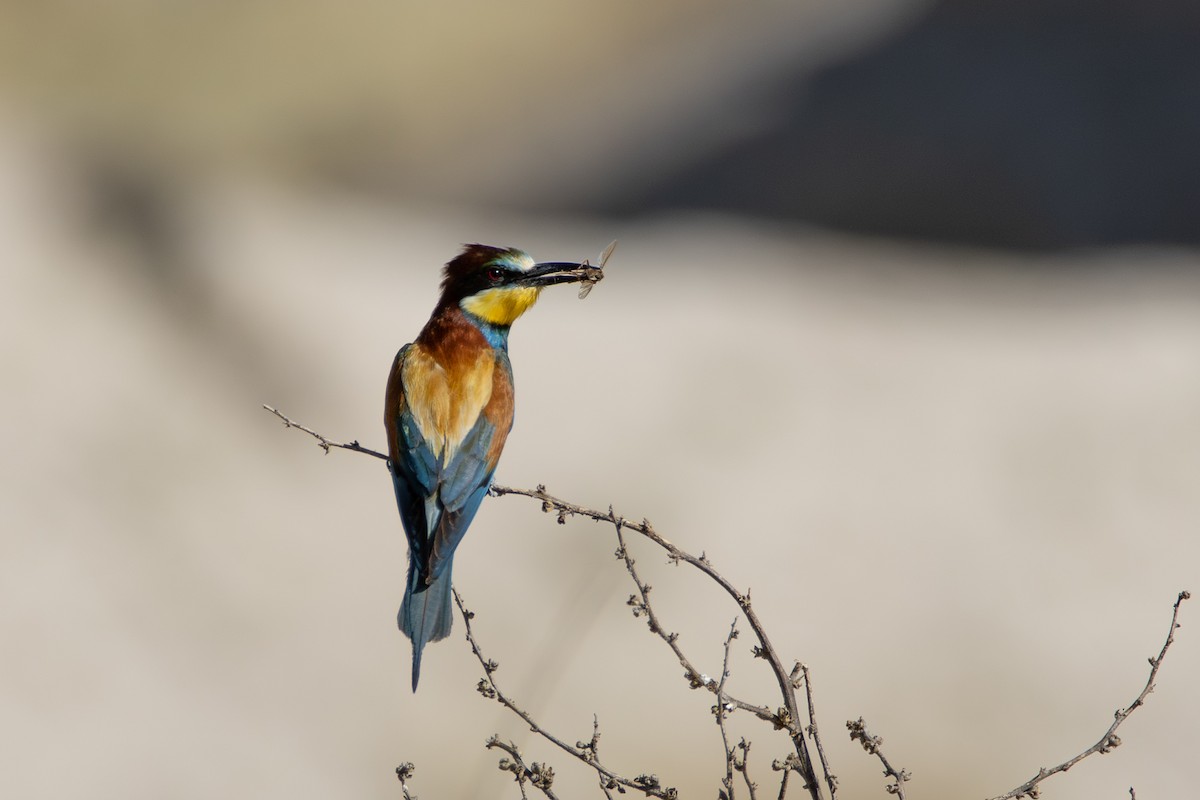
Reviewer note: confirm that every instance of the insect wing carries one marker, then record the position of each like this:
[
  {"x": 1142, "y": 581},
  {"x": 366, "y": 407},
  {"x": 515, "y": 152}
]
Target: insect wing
[
  {"x": 587, "y": 283},
  {"x": 608, "y": 251}
]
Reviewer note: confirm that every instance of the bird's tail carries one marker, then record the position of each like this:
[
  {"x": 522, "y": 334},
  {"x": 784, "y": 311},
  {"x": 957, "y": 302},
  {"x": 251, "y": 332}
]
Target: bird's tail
[{"x": 425, "y": 614}]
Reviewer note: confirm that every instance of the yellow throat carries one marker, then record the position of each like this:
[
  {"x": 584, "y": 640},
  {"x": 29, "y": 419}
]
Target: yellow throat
[{"x": 501, "y": 306}]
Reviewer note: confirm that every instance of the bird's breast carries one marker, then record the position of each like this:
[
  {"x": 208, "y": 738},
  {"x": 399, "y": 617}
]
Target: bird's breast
[{"x": 446, "y": 395}]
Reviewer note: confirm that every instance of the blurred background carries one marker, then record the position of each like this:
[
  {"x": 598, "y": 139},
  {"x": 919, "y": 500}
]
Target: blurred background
[{"x": 903, "y": 332}]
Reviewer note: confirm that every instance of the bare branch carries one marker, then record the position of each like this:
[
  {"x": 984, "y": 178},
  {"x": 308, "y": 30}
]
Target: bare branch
[
  {"x": 592, "y": 748},
  {"x": 1110, "y": 739},
  {"x": 804, "y": 675},
  {"x": 646, "y": 784},
  {"x": 322, "y": 442},
  {"x": 873, "y": 745},
  {"x": 403, "y": 773},
  {"x": 742, "y": 766},
  {"x": 788, "y": 717},
  {"x": 540, "y": 776},
  {"x": 641, "y": 606},
  {"x": 721, "y": 710},
  {"x": 787, "y": 766}
]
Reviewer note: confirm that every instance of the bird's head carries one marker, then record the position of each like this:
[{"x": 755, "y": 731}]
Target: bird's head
[{"x": 497, "y": 284}]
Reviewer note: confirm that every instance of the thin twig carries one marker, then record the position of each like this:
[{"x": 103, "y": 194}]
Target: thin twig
[
  {"x": 540, "y": 776},
  {"x": 787, "y": 766},
  {"x": 403, "y": 773},
  {"x": 646, "y": 784},
  {"x": 592, "y": 748},
  {"x": 742, "y": 765},
  {"x": 785, "y": 718},
  {"x": 873, "y": 745},
  {"x": 788, "y": 717},
  {"x": 830, "y": 779},
  {"x": 721, "y": 711},
  {"x": 322, "y": 442},
  {"x": 1110, "y": 739},
  {"x": 726, "y": 703},
  {"x": 641, "y": 606}
]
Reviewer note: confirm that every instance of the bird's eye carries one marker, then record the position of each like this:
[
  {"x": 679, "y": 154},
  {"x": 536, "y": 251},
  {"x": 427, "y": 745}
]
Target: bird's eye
[{"x": 495, "y": 274}]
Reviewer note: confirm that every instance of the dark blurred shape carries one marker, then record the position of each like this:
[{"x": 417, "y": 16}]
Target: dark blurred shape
[
  {"x": 1011, "y": 123},
  {"x": 135, "y": 201}
]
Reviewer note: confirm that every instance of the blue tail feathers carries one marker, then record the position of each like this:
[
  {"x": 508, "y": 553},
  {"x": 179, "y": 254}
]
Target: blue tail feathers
[{"x": 425, "y": 614}]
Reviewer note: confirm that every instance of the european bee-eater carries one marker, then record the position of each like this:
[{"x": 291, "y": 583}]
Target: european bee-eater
[{"x": 448, "y": 411}]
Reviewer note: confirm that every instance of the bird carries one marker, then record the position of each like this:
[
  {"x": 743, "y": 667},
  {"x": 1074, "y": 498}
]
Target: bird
[{"x": 448, "y": 411}]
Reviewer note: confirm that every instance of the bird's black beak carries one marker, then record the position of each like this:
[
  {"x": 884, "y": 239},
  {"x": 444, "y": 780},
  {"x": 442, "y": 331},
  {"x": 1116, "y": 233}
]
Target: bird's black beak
[{"x": 551, "y": 272}]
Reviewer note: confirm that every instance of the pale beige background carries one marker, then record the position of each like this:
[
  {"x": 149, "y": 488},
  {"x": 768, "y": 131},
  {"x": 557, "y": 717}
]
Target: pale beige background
[{"x": 962, "y": 486}]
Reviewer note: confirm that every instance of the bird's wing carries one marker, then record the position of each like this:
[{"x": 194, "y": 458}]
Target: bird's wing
[
  {"x": 412, "y": 462},
  {"x": 437, "y": 497},
  {"x": 411, "y": 454},
  {"x": 462, "y": 486}
]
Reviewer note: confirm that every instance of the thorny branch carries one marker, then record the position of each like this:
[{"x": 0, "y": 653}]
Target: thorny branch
[
  {"x": 721, "y": 712},
  {"x": 873, "y": 745},
  {"x": 786, "y": 718},
  {"x": 592, "y": 747},
  {"x": 322, "y": 442},
  {"x": 800, "y": 672},
  {"x": 641, "y": 606},
  {"x": 1110, "y": 739},
  {"x": 742, "y": 765},
  {"x": 647, "y": 784},
  {"x": 540, "y": 776},
  {"x": 403, "y": 773}
]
